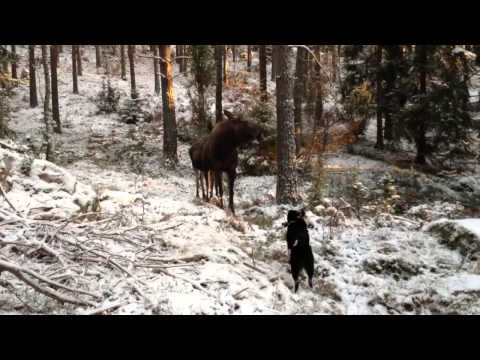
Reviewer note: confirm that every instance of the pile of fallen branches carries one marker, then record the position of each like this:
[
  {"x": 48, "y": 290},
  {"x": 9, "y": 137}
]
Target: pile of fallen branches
[{"x": 66, "y": 259}]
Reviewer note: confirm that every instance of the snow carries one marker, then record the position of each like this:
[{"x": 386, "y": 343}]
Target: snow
[{"x": 94, "y": 152}]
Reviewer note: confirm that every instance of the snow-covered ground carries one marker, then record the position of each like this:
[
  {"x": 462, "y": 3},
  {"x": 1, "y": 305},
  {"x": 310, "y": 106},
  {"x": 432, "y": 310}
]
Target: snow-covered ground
[{"x": 373, "y": 266}]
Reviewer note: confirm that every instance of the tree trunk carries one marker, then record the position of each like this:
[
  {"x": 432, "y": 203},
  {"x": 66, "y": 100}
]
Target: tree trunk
[
  {"x": 168, "y": 101},
  {"x": 60, "y": 49},
  {"x": 334, "y": 63},
  {"x": 156, "y": 70},
  {"x": 98, "y": 58},
  {"x": 274, "y": 65},
  {"x": 122, "y": 62},
  {"x": 263, "y": 72},
  {"x": 286, "y": 173},
  {"x": 318, "y": 98},
  {"x": 74, "y": 69},
  {"x": 55, "y": 106},
  {"x": 219, "y": 83},
  {"x": 131, "y": 59},
  {"x": 14, "y": 63},
  {"x": 380, "y": 143},
  {"x": 421, "y": 140},
  {"x": 298, "y": 96},
  {"x": 32, "y": 76},
  {"x": 225, "y": 65},
  {"x": 46, "y": 104},
  {"x": 79, "y": 60},
  {"x": 183, "y": 60},
  {"x": 249, "y": 58}
]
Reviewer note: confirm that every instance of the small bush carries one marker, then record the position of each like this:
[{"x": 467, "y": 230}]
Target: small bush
[
  {"x": 108, "y": 98},
  {"x": 134, "y": 111}
]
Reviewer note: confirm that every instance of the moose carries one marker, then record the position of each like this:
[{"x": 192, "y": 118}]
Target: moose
[{"x": 218, "y": 153}]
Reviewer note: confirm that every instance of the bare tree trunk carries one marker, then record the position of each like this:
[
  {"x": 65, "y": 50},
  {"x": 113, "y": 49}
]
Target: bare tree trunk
[
  {"x": 60, "y": 49},
  {"x": 249, "y": 58},
  {"x": 46, "y": 104},
  {"x": 74, "y": 69},
  {"x": 122, "y": 62},
  {"x": 14, "y": 63},
  {"x": 225, "y": 65},
  {"x": 168, "y": 101},
  {"x": 263, "y": 72},
  {"x": 219, "y": 83},
  {"x": 55, "y": 105},
  {"x": 334, "y": 63},
  {"x": 286, "y": 174},
  {"x": 380, "y": 142},
  {"x": 79, "y": 60},
  {"x": 318, "y": 113},
  {"x": 298, "y": 96},
  {"x": 131, "y": 59},
  {"x": 32, "y": 76},
  {"x": 156, "y": 70},
  {"x": 274, "y": 65},
  {"x": 183, "y": 60},
  {"x": 98, "y": 59},
  {"x": 421, "y": 140}
]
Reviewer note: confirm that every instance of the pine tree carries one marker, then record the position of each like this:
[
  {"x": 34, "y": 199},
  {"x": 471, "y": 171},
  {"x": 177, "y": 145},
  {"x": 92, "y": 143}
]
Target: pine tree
[
  {"x": 55, "y": 105},
  {"x": 286, "y": 175},
  {"x": 168, "y": 101},
  {"x": 32, "y": 76},
  {"x": 203, "y": 68}
]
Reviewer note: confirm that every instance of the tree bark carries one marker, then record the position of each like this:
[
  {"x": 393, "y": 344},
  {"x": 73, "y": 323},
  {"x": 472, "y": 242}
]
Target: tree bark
[
  {"x": 380, "y": 142},
  {"x": 318, "y": 98},
  {"x": 421, "y": 140},
  {"x": 286, "y": 173},
  {"x": 55, "y": 105},
  {"x": 46, "y": 103},
  {"x": 131, "y": 59},
  {"x": 32, "y": 76},
  {"x": 98, "y": 58},
  {"x": 263, "y": 72},
  {"x": 168, "y": 101},
  {"x": 225, "y": 65},
  {"x": 14, "y": 63},
  {"x": 219, "y": 83},
  {"x": 122, "y": 63},
  {"x": 249, "y": 58},
  {"x": 298, "y": 96},
  {"x": 156, "y": 69},
  {"x": 74, "y": 69},
  {"x": 79, "y": 60},
  {"x": 274, "y": 65}
]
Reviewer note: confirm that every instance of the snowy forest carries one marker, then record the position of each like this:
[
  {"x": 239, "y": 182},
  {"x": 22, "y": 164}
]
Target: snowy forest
[{"x": 239, "y": 179}]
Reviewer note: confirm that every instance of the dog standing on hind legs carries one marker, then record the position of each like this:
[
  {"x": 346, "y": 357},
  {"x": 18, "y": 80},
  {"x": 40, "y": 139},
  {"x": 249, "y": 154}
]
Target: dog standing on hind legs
[{"x": 300, "y": 251}]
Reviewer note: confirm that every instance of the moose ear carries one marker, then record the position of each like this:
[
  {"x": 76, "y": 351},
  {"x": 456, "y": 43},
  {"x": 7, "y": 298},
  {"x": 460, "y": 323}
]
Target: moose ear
[
  {"x": 228, "y": 114},
  {"x": 302, "y": 213}
]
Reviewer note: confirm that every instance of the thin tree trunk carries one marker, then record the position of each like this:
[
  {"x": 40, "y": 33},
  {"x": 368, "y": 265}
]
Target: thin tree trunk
[
  {"x": 32, "y": 76},
  {"x": 263, "y": 72},
  {"x": 380, "y": 142},
  {"x": 131, "y": 59},
  {"x": 46, "y": 104},
  {"x": 421, "y": 135},
  {"x": 274, "y": 66},
  {"x": 168, "y": 101},
  {"x": 156, "y": 70},
  {"x": 318, "y": 90},
  {"x": 249, "y": 58},
  {"x": 225, "y": 65},
  {"x": 74, "y": 69},
  {"x": 60, "y": 49},
  {"x": 286, "y": 174},
  {"x": 122, "y": 62},
  {"x": 219, "y": 83},
  {"x": 55, "y": 105},
  {"x": 98, "y": 59},
  {"x": 183, "y": 60},
  {"x": 298, "y": 96},
  {"x": 14, "y": 63},
  {"x": 79, "y": 60}
]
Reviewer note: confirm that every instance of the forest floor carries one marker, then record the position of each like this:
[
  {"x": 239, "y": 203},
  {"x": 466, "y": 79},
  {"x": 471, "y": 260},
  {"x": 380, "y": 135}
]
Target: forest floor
[{"x": 178, "y": 255}]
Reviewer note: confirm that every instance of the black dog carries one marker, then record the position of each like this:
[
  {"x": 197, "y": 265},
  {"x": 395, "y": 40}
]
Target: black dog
[{"x": 298, "y": 241}]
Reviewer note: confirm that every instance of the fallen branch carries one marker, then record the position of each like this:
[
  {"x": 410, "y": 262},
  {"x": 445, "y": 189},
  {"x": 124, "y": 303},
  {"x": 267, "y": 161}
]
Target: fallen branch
[
  {"x": 106, "y": 308},
  {"x": 254, "y": 268}
]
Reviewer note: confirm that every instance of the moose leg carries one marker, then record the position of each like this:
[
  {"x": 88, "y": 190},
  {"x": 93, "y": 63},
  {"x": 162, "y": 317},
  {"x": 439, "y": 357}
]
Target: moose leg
[
  {"x": 196, "y": 182},
  {"x": 211, "y": 175},
  {"x": 219, "y": 186},
  {"x": 205, "y": 194},
  {"x": 231, "y": 183}
]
